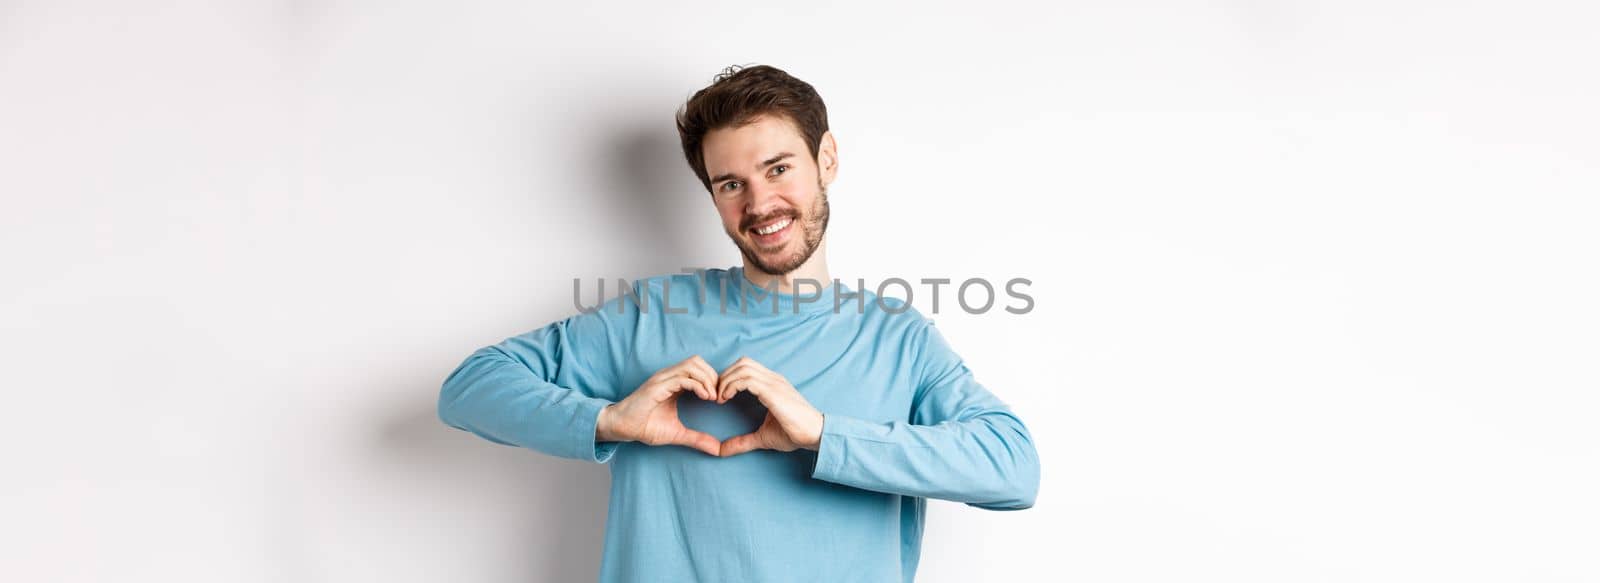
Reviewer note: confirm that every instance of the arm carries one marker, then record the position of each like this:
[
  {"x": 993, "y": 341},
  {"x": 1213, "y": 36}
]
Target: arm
[
  {"x": 962, "y": 444},
  {"x": 533, "y": 391}
]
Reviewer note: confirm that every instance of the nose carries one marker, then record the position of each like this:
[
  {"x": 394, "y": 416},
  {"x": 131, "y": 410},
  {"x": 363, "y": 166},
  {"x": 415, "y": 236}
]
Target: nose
[{"x": 762, "y": 200}]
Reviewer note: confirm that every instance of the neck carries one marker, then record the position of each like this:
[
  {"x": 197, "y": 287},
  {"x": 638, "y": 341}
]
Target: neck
[{"x": 814, "y": 269}]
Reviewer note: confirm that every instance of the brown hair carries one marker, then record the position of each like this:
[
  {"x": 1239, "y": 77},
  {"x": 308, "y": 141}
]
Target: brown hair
[{"x": 736, "y": 97}]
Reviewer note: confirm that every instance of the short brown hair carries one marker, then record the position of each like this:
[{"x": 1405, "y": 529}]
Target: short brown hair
[{"x": 736, "y": 97}]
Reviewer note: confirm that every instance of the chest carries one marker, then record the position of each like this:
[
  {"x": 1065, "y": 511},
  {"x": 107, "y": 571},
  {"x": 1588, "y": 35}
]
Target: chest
[{"x": 841, "y": 366}]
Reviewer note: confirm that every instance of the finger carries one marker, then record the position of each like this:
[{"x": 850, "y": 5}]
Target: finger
[
  {"x": 743, "y": 381},
  {"x": 728, "y": 374},
  {"x": 746, "y": 368},
  {"x": 752, "y": 363},
  {"x": 757, "y": 382},
  {"x": 692, "y": 367},
  {"x": 766, "y": 375},
  {"x": 732, "y": 368},
  {"x": 742, "y": 363},
  {"x": 708, "y": 375},
  {"x": 665, "y": 372},
  {"x": 676, "y": 371},
  {"x": 697, "y": 368},
  {"x": 698, "y": 440},
  {"x": 665, "y": 389},
  {"x": 699, "y": 386},
  {"x": 741, "y": 444}
]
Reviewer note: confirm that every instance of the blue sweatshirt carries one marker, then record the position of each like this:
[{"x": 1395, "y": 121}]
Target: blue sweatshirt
[{"x": 904, "y": 420}]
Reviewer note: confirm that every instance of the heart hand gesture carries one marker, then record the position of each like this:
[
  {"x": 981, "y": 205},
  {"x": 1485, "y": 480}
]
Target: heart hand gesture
[
  {"x": 791, "y": 423},
  {"x": 650, "y": 414}
]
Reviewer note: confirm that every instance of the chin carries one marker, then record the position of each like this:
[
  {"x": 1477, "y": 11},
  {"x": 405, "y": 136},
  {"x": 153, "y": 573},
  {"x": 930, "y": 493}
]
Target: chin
[
  {"x": 773, "y": 263},
  {"x": 791, "y": 255}
]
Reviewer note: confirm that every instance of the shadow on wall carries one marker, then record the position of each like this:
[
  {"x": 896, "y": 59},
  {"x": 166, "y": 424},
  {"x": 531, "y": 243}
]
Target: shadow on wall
[
  {"x": 643, "y": 166},
  {"x": 561, "y": 503}
]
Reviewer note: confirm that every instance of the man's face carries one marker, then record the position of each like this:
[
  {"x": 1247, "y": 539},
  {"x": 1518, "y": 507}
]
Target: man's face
[{"x": 771, "y": 194}]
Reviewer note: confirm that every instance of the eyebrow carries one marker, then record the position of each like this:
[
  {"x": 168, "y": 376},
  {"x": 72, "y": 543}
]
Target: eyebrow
[{"x": 770, "y": 161}]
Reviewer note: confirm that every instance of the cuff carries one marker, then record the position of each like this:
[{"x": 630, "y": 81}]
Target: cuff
[
  {"x": 586, "y": 419},
  {"x": 833, "y": 450}
]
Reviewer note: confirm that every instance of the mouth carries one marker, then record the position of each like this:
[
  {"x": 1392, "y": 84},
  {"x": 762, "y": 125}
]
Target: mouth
[{"x": 771, "y": 233}]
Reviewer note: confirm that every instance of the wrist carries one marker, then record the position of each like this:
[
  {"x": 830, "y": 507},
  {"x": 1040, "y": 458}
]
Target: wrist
[
  {"x": 816, "y": 436},
  {"x": 602, "y": 424}
]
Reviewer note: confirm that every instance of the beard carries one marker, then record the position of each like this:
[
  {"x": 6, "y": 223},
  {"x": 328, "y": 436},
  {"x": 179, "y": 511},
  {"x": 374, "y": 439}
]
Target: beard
[{"x": 813, "y": 224}]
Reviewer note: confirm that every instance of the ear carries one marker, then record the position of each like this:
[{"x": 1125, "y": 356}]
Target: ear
[{"x": 827, "y": 158}]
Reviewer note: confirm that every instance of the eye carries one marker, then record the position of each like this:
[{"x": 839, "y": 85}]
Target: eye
[
  {"x": 729, "y": 184},
  {"x": 776, "y": 169}
]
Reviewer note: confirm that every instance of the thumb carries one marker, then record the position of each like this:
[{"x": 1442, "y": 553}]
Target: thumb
[
  {"x": 742, "y": 443},
  {"x": 698, "y": 440}
]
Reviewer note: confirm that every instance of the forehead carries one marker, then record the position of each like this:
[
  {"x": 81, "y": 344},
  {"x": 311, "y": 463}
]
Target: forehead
[{"x": 741, "y": 149}]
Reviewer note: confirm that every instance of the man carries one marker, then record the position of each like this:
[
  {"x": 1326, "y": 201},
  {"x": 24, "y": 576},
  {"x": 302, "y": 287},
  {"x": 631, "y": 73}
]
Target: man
[{"x": 755, "y": 433}]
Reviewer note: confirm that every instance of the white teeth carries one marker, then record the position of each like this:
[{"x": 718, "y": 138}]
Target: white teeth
[{"x": 773, "y": 228}]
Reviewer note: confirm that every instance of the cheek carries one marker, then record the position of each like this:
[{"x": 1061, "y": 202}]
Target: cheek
[{"x": 730, "y": 217}]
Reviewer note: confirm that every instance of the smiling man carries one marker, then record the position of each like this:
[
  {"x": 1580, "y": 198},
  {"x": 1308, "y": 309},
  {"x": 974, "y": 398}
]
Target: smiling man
[{"x": 753, "y": 432}]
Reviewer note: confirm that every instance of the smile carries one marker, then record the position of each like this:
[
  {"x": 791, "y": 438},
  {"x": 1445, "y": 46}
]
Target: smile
[
  {"x": 772, "y": 235},
  {"x": 772, "y": 228}
]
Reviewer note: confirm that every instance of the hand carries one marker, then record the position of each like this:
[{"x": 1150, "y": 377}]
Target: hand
[
  {"x": 650, "y": 414},
  {"x": 791, "y": 423}
]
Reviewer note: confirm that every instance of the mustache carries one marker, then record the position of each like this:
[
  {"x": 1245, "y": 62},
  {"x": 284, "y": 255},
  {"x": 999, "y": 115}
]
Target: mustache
[{"x": 749, "y": 222}]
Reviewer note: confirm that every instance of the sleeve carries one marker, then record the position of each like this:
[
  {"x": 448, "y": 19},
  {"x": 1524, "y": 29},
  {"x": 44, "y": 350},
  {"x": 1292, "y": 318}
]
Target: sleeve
[
  {"x": 535, "y": 390},
  {"x": 963, "y": 444}
]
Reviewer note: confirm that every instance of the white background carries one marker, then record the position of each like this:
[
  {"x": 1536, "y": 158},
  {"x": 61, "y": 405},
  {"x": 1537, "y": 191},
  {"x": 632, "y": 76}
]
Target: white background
[{"x": 1315, "y": 281}]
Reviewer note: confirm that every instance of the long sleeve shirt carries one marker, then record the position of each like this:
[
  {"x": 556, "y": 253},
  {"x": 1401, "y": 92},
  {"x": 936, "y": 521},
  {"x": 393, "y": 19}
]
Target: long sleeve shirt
[{"x": 904, "y": 420}]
